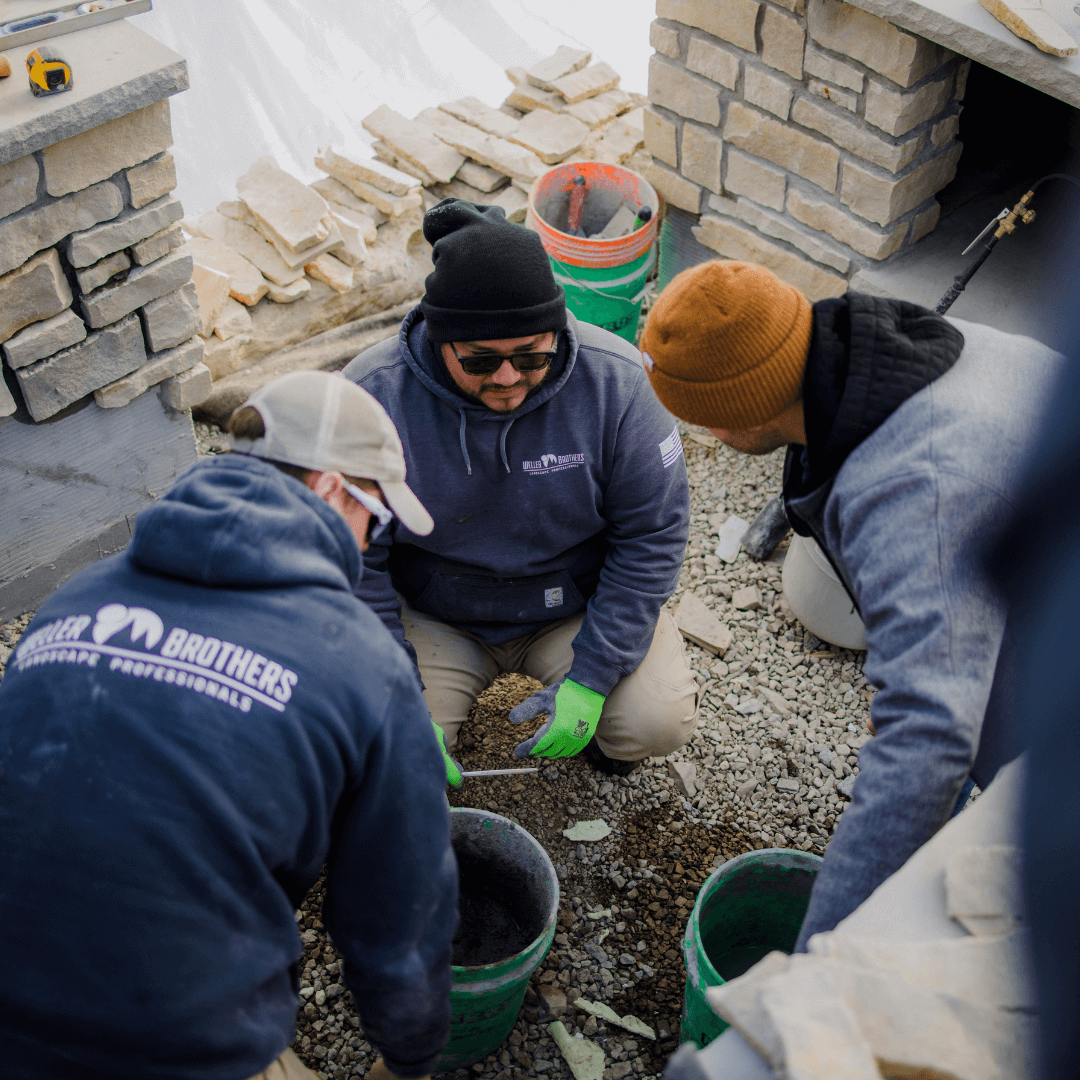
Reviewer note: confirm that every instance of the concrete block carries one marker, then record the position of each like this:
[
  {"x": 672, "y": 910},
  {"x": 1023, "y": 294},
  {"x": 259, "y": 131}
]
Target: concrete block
[
  {"x": 595, "y": 110},
  {"x": 897, "y": 112},
  {"x": 782, "y": 41},
  {"x": 846, "y": 99},
  {"x": 674, "y": 189},
  {"x": 171, "y": 362},
  {"x": 782, "y": 228},
  {"x": 212, "y": 286},
  {"x": 902, "y": 57},
  {"x": 18, "y": 184},
  {"x": 924, "y": 223},
  {"x": 821, "y": 214},
  {"x": 150, "y": 181},
  {"x": 125, "y": 230},
  {"x": 883, "y": 200},
  {"x": 296, "y": 215},
  {"x": 853, "y": 136},
  {"x": 157, "y": 246},
  {"x": 42, "y": 339},
  {"x": 661, "y": 138},
  {"x": 143, "y": 284},
  {"x": 233, "y": 320},
  {"x": 688, "y": 95},
  {"x": 172, "y": 318},
  {"x": 738, "y": 242},
  {"x": 37, "y": 290},
  {"x": 95, "y": 155},
  {"x": 481, "y": 177},
  {"x": 768, "y": 92},
  {"x": 525, "y": 98},
  {"x": 506, "y": 157},
  {"x": 371, "y": 171},
  {"x": 702, "y": 150},
  {"x": 563, "y": 61},
  {"x": 816, "y": 62},
  {"x": 715, "y": 62},
  {"x": 760, "y": 182},
  {"x": 664, "y": 39},
  {"x": 286, "y": 294},
  {"x": 51, "y": 385},
  {"x": 732, "y": 20},
  {"x": 551, "y": 136},
  {"x": 225, "y": 357},
  {"x": 415, "y": 143},
  {"x": 26, "y": 233},
  {"x": 188, "y": 389},
  {"x": 788, "y": 147},
  {"x": 246, "y": 283},
  {"x": 587, "y": 83},
  {"x": 470, "y": 110},
  {"x": 391, "y": 205},
  {"x": 92, "y": 277}
]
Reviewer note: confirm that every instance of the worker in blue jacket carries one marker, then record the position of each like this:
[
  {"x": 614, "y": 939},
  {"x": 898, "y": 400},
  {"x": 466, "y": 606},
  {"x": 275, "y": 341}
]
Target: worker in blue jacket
[
  {"x": 559, "y": 494},
  {"x": 189, "y": 732}
]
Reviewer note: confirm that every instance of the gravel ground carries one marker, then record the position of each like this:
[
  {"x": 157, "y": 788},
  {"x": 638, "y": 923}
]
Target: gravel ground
[{"x": 782, "y": 719}]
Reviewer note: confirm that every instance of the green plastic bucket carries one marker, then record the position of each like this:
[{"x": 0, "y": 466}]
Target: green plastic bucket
[
  {"x": 750, "y": 906},
  {"x": 485, "y": 1001},
  {"x": 604, "y": 280}
]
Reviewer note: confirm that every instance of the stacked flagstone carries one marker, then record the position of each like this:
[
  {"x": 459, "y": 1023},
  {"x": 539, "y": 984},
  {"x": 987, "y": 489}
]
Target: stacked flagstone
[
  {"x": 811, "y": 136},
  {"x": 95, "y": 287}
]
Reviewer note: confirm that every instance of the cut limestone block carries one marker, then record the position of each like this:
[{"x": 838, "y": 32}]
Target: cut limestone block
[
  {"x": 27, "y": 233},
  {"x": 18, "y": 184},
  {"x": 173, "y": 318},
  {"x": 587, "y": 83},
  {"x": 1027, "y": 20},
  {"x": 246, "y": 284},
  {"x": 563, "y": 61},
  {"x": 481, "y": 177},
  {"x": 51, "y": 385},
  {"x": 213, "y": 288},
  {"x": 619, "y": 139},
  {"x": 157, "y": 246},
  {"x": 391, "y": 205},
  {"x": 225, "y": 357},
  {"x": 524, "y": 98},
  {"x": 552, "y": 137},
  {"x": 171, "y": 362},
  {"x": 37, "y": 290},
  {"x": 387, "y": 155},
  {"x": 294, "y": 214},
  {"x": 331, "y": 271},
  {"x": 42, "y": 339},
  {"x": 335, "y": 192},
  {"x": 190, "y": 388},
  {"x": 500, "y": 154},
  {"x": 129, "y": 228},
  {"x": 746, "y": 599},
  {"x": 599, "y": 109},
  {"x": 234, "y": 319},
  {"x": 249, "y": 243},
  {"x": 150, "y": 181},
  {"x": 696, "y": 622},
  {"x": 353, "y": 250},
  {"x": 297, "y": 259},
  {"x": 378, "y": 175},
  {"x": 470, "y": 110},
  {"x": 414, "y": 142},
  {"x": 93, "y": 277},
  {"x": 286, "y": 294},
  {"x": 85, "y": 159},
  {"x": 143, "y": 284}
]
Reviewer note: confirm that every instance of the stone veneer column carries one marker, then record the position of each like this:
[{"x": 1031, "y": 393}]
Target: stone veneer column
[{"x": 809, "y": 135}]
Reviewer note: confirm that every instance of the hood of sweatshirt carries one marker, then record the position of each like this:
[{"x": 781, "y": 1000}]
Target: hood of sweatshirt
[{"x": 238, "y": 521}]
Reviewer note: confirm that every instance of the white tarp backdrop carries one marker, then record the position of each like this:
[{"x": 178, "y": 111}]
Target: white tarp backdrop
[{"x": 284, "y": 77}]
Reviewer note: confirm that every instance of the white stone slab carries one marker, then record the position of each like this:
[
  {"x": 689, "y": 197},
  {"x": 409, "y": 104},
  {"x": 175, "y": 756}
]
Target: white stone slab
[
  {"x": 378, "y": 174},
  {"x": 294, "y": 214}
]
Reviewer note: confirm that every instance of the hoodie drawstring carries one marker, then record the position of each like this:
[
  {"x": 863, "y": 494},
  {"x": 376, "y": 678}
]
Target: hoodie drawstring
[
  {"x": 461, "y": 438},
  {"x": 502, "y": 442}
]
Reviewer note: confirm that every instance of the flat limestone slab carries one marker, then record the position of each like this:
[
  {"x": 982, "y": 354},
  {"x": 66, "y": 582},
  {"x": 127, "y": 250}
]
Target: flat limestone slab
[
  {"x": 43, "y": 339},
  {"x": 481, "y": 177},
  {"x": 414, "y": 142},
  {"x": 563, "y": 61},
  {"x": 391, "y": 205},
  {"x": 118, "y": 69},
  {"x": 334, "y": 191},
  {"x": 250, "y": 243},
  {"x": 143, "y": 284},
  {"x": 370, "y": 170},
  {"x": 596, "y": 110},
  {"x": 696, "y": 622},
  {"x": 295, "y": 214},
  {"x": 470, "y": 110},
  {"x": 587, "y": 83},
  {"x": 85, "y": 248},
  {"x": 246, "y": 283},
  {"x": 551, "y": 136},
  {"x": 1031, "y": 22},
  {"x": 506, "y": 157},
  {"x": 171, "y": 362}
]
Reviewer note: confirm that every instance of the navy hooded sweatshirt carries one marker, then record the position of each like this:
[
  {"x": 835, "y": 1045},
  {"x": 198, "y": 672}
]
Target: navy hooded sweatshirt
[
  {"x": 575, "y": 502},
  {"x": 186, "y": 737}
]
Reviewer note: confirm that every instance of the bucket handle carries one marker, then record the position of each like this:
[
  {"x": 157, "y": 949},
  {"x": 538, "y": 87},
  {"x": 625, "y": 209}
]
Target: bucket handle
[{"x": 569, "y": 279}]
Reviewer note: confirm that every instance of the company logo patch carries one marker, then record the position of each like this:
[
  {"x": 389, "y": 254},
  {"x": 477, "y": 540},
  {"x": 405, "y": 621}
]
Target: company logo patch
[
  {"x": 113, "y": 618},
  {"x": 553, "y": 597},
  {"x": 671, "y": 449},
  {"x": 581, "y": 730},
  {"x": 550, "y": 463}
]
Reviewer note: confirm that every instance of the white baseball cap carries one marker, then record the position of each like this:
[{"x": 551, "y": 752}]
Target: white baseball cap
[{"x": 325, "y": 423}]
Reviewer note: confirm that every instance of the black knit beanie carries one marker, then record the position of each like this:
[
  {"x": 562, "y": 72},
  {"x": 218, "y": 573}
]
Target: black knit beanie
[{"x": 492, "y": 278}]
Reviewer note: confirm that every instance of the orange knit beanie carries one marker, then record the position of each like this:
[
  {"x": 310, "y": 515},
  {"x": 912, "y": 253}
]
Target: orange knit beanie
[{"x": 726, "y": 344}]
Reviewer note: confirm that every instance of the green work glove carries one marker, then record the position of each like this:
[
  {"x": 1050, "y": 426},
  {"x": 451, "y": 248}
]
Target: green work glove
[
  {"x": 453, "y": 769},
  {"x": 573, "y": 712}
]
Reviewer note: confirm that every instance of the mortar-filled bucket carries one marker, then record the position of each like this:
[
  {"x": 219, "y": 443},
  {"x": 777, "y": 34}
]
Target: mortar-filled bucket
[
  {"x": 508, "y": 907},
  {"x": 751, "y": 905},
  {"x": 605, "y": 280}
]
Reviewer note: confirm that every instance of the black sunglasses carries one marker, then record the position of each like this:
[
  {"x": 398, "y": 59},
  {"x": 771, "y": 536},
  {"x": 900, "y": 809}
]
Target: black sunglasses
[{"x": 489, "y": 363}]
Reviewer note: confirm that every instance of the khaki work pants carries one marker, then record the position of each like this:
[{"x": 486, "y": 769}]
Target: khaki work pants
[
  {"x": 287, "y": 1067},
  {"x": 651, "y": 712}
]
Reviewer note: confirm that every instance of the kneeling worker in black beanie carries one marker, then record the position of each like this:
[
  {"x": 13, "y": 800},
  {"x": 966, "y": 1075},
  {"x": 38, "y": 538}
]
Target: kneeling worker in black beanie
[{"x": 559, "y": 494}]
